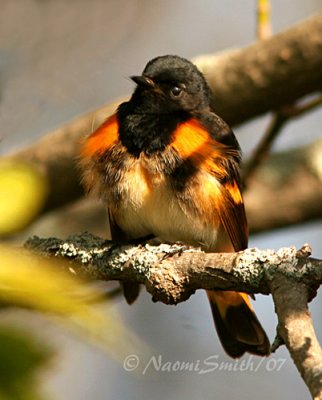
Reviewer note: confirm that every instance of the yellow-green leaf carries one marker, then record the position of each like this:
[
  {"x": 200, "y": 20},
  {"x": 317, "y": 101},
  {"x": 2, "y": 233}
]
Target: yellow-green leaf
[
  {"x": 32, "y": 281},
  {"x": 23, "y": 192}
]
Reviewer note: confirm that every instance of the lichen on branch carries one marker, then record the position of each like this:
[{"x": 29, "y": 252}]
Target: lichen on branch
[{"x": 172, "y": 273}]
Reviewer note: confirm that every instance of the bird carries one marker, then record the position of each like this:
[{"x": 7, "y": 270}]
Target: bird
[{"x": 165, "y": 165}]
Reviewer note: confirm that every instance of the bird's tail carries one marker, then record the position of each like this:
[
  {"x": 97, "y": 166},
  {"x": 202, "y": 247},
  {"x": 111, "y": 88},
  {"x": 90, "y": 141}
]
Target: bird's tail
[{"x": 237, "y": 325}]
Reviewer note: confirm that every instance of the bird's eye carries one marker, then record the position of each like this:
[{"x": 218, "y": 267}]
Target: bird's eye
[{"x": 175, "y": 91}]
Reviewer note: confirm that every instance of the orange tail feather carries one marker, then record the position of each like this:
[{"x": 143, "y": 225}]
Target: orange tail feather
[{"x": 237, "y": 325}]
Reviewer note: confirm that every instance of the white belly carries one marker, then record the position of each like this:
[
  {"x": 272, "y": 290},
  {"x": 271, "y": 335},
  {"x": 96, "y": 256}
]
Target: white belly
[{"x": 149, "y": 206}]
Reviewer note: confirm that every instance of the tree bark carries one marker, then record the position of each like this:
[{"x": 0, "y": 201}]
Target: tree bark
[
  {"x": 286, "y": 190},
  {"x": 55, "y": 157},
  {"x": 296, "y": 329},
  {"x": 171, "y": 274},
  {"x": 267, "y": 74},
  {"x": 246, "y": 83}
]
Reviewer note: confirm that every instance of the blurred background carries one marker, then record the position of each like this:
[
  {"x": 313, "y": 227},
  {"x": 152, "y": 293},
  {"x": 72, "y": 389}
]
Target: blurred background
[{"x": 60, "y": 59}]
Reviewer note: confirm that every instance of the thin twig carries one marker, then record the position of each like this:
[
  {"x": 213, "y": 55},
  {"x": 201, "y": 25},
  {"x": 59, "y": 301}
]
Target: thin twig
[
  {"x": 264, "y": 29},
  {"x": 261, "y": 152},
  {"x": 277, "y": 123},
  {"x": 304, "y": 108}
]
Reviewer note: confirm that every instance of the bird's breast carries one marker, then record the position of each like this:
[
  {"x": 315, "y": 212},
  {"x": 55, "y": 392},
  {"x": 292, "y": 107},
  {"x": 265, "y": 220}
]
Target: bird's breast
[
  {"x": 171, "y": 194},
  {"x": 147, "y": 203}
]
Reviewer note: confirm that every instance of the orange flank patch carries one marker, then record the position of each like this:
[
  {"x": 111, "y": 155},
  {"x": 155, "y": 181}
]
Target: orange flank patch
[
  {"x": 103, "y": 138},
  {"x": 234, "y": 191},
  {"x": 207, "y": 196},
  {"x": 209, "y": 188}
]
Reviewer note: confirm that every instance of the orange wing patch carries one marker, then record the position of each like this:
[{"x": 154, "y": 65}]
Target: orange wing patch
[
  {"x": 191, "y": 140},
  {"x": 234, "y": 191},
  {"x": 102, "y": 139}
]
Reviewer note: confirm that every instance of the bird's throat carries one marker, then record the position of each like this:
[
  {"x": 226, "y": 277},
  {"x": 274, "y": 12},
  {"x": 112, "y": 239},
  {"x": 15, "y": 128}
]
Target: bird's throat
[{"x": 147, "y": 132}]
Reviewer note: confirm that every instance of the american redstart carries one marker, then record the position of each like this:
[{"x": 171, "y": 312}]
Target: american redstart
[{"x": 165, "y": 165}]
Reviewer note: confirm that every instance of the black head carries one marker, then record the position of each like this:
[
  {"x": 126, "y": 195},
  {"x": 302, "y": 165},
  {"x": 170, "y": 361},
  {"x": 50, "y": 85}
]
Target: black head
[
  {"x": 170, "y": 90},
  {"x": 170, "y": 84}
]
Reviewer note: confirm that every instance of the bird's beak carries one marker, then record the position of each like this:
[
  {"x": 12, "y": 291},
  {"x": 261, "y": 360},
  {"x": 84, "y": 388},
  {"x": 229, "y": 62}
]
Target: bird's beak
[{"x": 143, "y": 81}]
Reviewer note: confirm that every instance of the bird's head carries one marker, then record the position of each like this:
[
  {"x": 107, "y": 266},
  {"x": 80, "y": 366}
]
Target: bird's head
[{"x": 171, "y": 84}]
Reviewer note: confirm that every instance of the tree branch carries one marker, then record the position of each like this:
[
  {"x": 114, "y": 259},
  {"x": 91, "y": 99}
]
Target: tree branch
[
  {"x": 55, "y": 157},
  {"x": 264, "y": 147},
  {"x": 286, "y": 190},
  {"x": 258, "y": 74},
  {"x": 278, "y": 121},
  {"x": 171, "y": 274},
  {"x": 296, "y": 329},
  {"x": 267, "y": 74}
]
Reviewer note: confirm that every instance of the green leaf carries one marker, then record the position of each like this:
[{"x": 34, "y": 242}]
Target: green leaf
[{"x": 21, "y": 358}]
